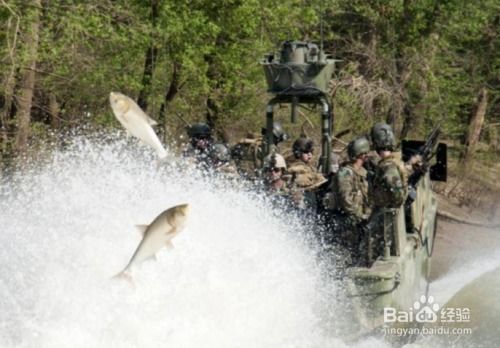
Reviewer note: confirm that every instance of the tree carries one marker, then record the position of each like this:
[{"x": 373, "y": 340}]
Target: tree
[
  {"x": 150, "y": 57},
  {"x": 11, "y": 17},
  {"x": 410, "y": 63},
  {"x": 30, "y": 35}
]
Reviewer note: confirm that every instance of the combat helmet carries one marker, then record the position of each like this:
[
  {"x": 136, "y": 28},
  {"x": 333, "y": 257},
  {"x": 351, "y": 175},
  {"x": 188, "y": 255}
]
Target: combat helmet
[
  {"x": 383, "y": 137},
  {"x": 199, "y": 130},
  {"x": 219, "y": 153},
  {"x": 274, "y": 160},
  {"x": 278, "y": 132},
  {"x": 358, "y": 147},
  {"x": 302, "y": 145}
]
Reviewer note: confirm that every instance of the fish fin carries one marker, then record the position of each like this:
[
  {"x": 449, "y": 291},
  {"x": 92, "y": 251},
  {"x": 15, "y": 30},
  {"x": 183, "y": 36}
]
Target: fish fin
[
  {"x": 169, "y": 245},
  {"x": 125, "y": 275},
  {"x": 142, "y": 229},
  {"x": 152, "y": 122},
  {"x": 129, "y": 134}
]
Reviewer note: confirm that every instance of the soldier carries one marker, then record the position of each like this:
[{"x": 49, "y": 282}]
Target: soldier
[
  {"x": 352, "y": 206},
  {"x": 389, "y": 189},
  {"x": 201, "y": 140},
  {"x": 305, "y": 178},
  {"x": 390, "y": 182},
  {"x": 220, "y": 160},
  {"x": 274, "y": 174},
  {"x": 248, "y": 153}
]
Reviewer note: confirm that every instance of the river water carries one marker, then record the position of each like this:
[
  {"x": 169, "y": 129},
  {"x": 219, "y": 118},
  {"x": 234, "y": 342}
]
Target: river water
[{"x": 242, "y": 273}]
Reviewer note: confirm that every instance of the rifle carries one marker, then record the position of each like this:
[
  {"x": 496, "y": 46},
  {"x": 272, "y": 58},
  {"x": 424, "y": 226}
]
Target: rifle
[{"x": 426, "y": 152}]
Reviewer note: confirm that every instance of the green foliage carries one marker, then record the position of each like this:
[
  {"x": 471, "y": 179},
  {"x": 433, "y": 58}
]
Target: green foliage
[{"x": 411, "y": 62}]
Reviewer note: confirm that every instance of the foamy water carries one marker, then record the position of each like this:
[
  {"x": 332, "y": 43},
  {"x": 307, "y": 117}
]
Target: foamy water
[
  {"x": 445, "y": 287},
  {"x": 241, "y": 273}
]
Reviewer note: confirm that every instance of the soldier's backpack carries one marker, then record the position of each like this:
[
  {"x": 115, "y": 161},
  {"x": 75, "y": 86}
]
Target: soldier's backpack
[{"x": 248, "y": 154}]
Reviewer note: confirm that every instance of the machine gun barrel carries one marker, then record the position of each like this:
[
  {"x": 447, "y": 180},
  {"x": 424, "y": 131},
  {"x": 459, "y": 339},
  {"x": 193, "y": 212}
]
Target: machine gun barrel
[{"x": 426, "y": 152}]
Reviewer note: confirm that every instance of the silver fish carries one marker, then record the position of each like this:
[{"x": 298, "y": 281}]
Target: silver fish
[
  {"x": 157, "y": 235},
  {"x": 135, "y": 121}
]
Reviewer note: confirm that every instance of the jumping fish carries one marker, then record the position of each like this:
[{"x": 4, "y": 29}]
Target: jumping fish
[
  {"x": 157, "y": 235},
  {"x": 135, "y": 121}
]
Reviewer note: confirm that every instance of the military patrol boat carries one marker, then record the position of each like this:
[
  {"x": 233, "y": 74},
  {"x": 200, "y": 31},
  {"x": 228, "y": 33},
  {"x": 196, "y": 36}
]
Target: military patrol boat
[{"x": 299, "y": 74}]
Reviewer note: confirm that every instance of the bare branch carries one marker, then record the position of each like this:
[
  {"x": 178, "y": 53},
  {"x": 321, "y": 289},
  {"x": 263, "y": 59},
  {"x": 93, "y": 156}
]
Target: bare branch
[{"x": 40, "y": 71}]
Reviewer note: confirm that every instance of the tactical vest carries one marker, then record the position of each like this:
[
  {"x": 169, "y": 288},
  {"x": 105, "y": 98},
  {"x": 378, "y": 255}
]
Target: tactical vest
[
  {"x": 390, "y": 184},
  {"x": 350, "y": 188},
  {"x": 305, "y": 176},
  {"x": 248, "y": 155}
]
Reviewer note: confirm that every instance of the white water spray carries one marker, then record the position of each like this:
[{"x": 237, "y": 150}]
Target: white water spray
[{"x": 241, "y": 275}]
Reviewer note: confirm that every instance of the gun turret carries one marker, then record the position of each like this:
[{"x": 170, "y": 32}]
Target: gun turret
[
  {"x": 301, "y": 70},
  {"x": 426, "y": 151}
]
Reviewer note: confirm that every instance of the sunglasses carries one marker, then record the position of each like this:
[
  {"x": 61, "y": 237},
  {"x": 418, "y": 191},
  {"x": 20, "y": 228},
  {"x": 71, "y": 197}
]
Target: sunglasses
[
  {"x": 199, "y": 139},
  {"x": 274, "y": 170}
]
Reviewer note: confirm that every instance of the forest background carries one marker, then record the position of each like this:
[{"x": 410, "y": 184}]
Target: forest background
[{"x": 412, "y": 63}]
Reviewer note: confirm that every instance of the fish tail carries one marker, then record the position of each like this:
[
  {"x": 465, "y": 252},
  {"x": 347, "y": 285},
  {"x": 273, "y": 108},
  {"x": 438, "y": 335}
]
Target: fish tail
[
  {"x": 162, "y": 154},
  {"x": 125, "y": 275}
]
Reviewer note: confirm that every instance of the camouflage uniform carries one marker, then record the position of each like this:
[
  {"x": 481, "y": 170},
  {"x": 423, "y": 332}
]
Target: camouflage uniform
[
  {"x": 352, "y": 209},
  {"x": 249, "y": 152},
  {"x": 389, "y": 190},
  {"x": 351, "y": 191},
  {"x": 248, "y": 155},
  {"x": 370, "y": 165},
  {"x": 305, "y": 179},
  {"x": 390, "y": 183}
]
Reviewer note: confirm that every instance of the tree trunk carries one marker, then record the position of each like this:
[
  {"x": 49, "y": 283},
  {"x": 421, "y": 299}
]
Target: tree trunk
[
  {"x": 25, "y": 97},
  {"x": 9, "y": 84},
  {"x": 475, "y": 126},
  {"x": 494, "y": 140},
  {"x": 150, "y": 60},
  {"x": 212, "y": 114},
  {"x": 6, "y": 112},
  {"x": 54, "y": 112},
  {"x": 170, "y": 94},
  {"x": 216, "y": 80}
]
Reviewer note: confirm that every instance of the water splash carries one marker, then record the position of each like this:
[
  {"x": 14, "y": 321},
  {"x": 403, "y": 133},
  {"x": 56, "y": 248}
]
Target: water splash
[
  {"x": 241, "y": 273},
  {"x": 444, "y": 288}
]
